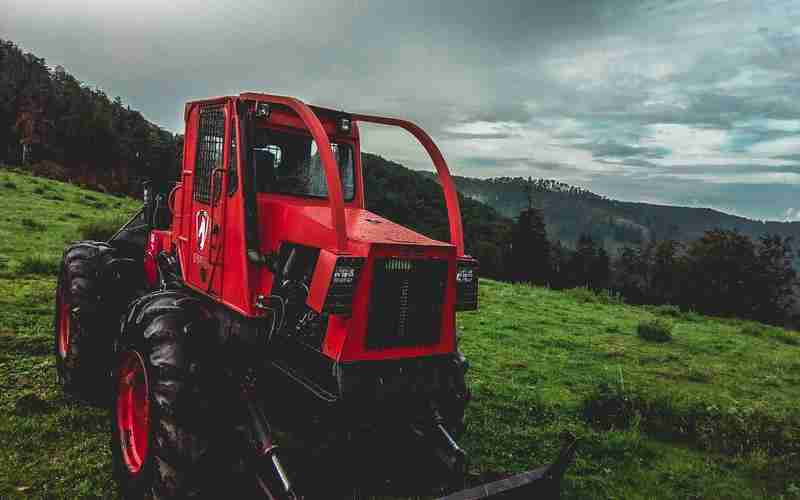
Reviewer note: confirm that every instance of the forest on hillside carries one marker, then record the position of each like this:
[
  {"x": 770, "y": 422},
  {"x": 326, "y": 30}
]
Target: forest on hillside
[{"x": 71, "y": 131}]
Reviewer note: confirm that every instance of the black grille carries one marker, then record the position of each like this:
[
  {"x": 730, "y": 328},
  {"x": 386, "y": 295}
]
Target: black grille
[
  {"x": 406, "y": 302},
  {"x": 210, "y": 140}
]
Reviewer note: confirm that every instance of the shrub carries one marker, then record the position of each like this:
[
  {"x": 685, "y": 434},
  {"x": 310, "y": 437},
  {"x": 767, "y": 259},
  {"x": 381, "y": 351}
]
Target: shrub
[
  {"x": 39, "y": 264},
  {"x": 31, "y": 224},
  {"x": 610, "y": 407},
  {"x": 734, "y": 430},
  {"x": 668, "y": 310},
  {"x": 656, "y": 330},
  {"x": 100, "y": 230},
  {"x": 777, "y": 334},
  {"x": 753, "y": 330},
  {"x": 589, "y": 296},
  {"x": 700, "y": 374},
  {"x": 789, "y": 338},
  {"x": 9, "y": 185},
  {"x": 50, "y": 170}
]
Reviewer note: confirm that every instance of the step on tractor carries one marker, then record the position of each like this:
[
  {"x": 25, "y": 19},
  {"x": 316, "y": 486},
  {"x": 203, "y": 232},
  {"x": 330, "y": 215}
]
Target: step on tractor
[{"x": 256, "y": 301}]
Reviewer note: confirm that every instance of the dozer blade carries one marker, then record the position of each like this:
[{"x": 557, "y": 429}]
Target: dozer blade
[{"x": 541, "y": 483}]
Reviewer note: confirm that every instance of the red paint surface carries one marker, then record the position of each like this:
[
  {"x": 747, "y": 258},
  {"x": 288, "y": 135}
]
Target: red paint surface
[
  {"x": 336, "y": 227},
  {"x": 133, "y": 412},
  {"x": 64, "y": 323}
]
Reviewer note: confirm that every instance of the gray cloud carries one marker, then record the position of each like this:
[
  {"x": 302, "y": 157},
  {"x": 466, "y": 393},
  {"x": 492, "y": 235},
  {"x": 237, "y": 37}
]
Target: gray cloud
[
  {"x": 613, "y": 149},
  {"x": 604, "y": 94}
]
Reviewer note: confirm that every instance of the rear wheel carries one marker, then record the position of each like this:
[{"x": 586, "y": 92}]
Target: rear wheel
[
  {"x": 85, "y": 320},
  {"x": 162, "y": 418}
]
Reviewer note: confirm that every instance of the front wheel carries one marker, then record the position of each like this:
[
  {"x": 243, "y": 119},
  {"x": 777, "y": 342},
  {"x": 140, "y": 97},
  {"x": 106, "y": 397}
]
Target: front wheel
[{"x": 162, "y": 421}]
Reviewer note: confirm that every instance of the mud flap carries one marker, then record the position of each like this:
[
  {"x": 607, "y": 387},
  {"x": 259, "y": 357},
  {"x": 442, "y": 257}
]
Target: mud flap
[{"x": 541, "y": 483}]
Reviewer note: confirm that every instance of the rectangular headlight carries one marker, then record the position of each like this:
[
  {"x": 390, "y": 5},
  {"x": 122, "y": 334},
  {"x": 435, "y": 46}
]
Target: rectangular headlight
[
  {"x": 343, "y": 283},
  {"x": 467, "y": 285}
]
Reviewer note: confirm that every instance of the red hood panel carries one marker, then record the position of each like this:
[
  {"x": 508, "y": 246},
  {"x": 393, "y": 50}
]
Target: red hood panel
[{"x": 365, "y": 226}]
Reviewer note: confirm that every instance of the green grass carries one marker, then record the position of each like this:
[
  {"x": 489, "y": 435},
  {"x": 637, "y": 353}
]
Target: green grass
[
  {"x": 50, "y": 446},
  {"x": 711, "y": 414}
]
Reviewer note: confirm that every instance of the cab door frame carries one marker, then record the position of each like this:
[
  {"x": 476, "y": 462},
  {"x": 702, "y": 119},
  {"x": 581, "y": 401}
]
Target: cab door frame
[{"x": 206, "y": 191}]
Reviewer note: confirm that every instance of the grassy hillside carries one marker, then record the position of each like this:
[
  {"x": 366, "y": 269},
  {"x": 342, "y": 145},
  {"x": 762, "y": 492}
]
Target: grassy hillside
[{"x": 711, "y": 414}]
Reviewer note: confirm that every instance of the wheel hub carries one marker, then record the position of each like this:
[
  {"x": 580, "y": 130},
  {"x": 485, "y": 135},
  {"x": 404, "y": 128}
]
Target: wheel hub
[
  {"x": 64, "y": 325},
  {"x": 133, "y": 411}
]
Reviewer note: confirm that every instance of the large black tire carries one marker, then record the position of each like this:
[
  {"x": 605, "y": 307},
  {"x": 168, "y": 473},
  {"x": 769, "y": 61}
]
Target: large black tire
[
  {"x": 161, "y": 334},
  {"x": 86, "y": 319}
]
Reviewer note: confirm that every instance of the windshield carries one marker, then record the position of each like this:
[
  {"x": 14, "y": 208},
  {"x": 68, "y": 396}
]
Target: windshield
[{"x": 289, "y": 163}]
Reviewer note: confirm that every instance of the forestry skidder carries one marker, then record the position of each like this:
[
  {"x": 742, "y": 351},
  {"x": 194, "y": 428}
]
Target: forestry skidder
[{"x": 260, "y": 292}]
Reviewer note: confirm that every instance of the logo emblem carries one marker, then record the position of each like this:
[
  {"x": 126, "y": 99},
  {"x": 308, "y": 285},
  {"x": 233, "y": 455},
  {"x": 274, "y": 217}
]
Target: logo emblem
[{"x": 202, "y": 229}]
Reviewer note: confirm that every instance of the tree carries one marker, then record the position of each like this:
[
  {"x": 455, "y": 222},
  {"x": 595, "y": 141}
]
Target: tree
[
  {"x": 590, "y": 265},
  {"x": 559, "y": 265},
  {"x": 601, "y": 270},
  {"x": 775, "y": 279},
  {"x": 722, "y": 269},
  {"x": 630, "y": 277},
  {"x": 666, "y": 273},
  {"x": 530, "y": 250}
]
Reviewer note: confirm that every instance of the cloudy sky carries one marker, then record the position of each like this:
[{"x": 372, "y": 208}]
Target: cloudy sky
[{"x": 679, "y": 102}]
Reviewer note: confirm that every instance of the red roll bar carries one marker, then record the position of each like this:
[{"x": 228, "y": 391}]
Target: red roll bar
[
  {"x": 332, "y": 172},
  {"x": 326, "y": 155},
  {"x": 450, "y": 193}
]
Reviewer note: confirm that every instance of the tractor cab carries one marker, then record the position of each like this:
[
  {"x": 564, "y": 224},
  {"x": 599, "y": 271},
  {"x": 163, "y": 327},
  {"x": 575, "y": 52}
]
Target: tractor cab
[{"x": 270, "y": 220}]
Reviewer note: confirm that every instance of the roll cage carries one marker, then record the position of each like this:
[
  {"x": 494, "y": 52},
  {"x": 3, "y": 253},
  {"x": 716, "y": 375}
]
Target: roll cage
[{"x": 335, "y": 196}]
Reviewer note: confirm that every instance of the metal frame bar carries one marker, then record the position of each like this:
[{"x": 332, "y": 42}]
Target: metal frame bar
[
  {"x": 450, "y": 193},
  {"x": 326, "y": 155}
]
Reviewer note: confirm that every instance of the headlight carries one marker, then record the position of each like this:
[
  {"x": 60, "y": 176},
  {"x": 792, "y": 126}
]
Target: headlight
[
  {"x": 344, "y": 275},
  {"x": 343, "y": 283},
  {"x": 465, "y": 275},
  {"x": 467, "y": 285}
]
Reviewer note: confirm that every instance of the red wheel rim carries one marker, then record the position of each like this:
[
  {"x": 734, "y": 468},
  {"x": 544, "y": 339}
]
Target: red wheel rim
[
  {"x": 64, "y": 324},
  {"x": 133, "y": 411}
]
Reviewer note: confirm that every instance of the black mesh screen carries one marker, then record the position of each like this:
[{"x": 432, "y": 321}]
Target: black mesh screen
[
  {"x": 233, "y": 161},
  {"x": 406, "y": 302},
  {"x": 210, "y": 141}
]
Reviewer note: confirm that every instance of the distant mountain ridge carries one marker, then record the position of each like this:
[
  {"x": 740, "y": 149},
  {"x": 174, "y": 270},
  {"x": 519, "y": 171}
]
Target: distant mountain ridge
[{"x": 570, "y": 211}]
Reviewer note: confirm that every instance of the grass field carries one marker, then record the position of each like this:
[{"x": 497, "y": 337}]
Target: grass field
[{"x": 712, "y": 413}]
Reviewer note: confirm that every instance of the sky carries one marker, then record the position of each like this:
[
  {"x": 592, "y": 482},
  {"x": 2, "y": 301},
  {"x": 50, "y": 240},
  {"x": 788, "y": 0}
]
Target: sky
[{"x": 693, "y": 103}]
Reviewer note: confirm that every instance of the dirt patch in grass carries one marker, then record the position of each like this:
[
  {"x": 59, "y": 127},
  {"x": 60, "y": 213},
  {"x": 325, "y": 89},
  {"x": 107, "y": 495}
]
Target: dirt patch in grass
[
  {"x": 12, "y": 347},
  {"x": 32, "y": 225},
  {"x": 39, "y": 264},
  {"x": 733, "y": 430},
  {"x": 32, "y": 404}
]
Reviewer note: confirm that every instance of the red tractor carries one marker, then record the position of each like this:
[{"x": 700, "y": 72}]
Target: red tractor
[{"x": 260, "y": 292}]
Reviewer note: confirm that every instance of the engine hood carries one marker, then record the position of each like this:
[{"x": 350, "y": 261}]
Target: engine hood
[{"x": 313, "y": 225}]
